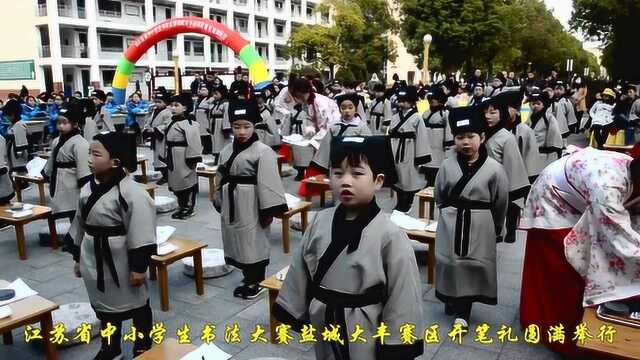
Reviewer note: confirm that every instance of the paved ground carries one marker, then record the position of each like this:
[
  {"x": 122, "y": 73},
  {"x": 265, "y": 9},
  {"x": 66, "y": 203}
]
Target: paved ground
[{"x": 50, "y": 273}]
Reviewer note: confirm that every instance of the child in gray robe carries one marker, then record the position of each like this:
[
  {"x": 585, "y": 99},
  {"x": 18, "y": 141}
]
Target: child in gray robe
[
  {"x": 354, "y": 267},
  {"x": 112, "y": 239},
  {"x": 183, "y": 152},
  {"x": 410, "y": 146},
  {"x": 203, "y": 118},
  {"x": 154, "y": 127},
  {"x": 6, "y": 186},
  {"x": 16, "y": 137},
  {"x": 379, "y": 113},
  {"x": 436, "y": 120},
  {"x": 249, "y": 194},
  {"x": 472, "y": 193},
  {"x": 545, "y": 127},
  {"x": 266, "y": 128},
  {"x": 220, "y": 127},
  {"x": 67, "y": 169}
]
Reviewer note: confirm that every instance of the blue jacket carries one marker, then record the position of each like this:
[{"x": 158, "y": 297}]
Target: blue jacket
[
  {"x": 53, "y": 110},
  {"x": 31, "y": 112},
  {"x": 133, "y": 109}
]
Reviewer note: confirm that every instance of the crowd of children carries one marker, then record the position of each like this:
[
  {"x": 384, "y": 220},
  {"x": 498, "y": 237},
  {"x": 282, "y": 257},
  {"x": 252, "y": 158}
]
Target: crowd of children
[{"x": 353, "y": 266}]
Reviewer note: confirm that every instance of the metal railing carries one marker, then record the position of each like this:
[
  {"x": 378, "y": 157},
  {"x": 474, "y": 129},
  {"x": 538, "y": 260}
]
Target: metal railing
[
  {"x": 109, "y": 13},
  {"x": 240, "y": 2},
  {"x": 82, "y": 14},
  {"x": 70, "y": 51},
  {"x": 41, "y": 10},
  {"x": 45, "y": 51},
  {"x": 64, "y": 10}
]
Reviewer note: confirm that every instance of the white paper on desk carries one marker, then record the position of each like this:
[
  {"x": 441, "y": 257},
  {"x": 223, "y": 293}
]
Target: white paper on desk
[
  {"x": 296, "y": 139},
  {"x": 21, "y": 213},
  {"x": 163, "y": 233},
  {"x": 432, "y": 227},
  {"x": 22, "y": 291},
  {"x": 282, "y": 274},
  {"x": 35, "y": 166},
  {"x": 407, "y": 222},
  {"x": 207, "y": 352},
  {"x": 292, "y": 200},
  {"x": 166, "y": 248}
]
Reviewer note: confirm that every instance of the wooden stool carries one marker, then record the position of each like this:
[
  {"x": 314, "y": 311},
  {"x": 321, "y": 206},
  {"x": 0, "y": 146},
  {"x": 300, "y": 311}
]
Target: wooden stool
[
  {"x": 168, "y": 349},
  {"x": 39, "y": 212},
  {"x": 27, "y": 311},
  {"x": 210, "y": 174},
  {"x": 142, "y": 162},
  {"x": 151, "y": 189},
  {"x": 317, "y": 183},
  {"x": 429, "y": 238},
  {"x": 273, "y": 285},
  {"x": 39, "y": 181},
  {"x": 185, "y": 248},
  {"x": 303, "y": 208},
  {"x": 625, "y": 342},
  {"x": 426, "y": 196}
]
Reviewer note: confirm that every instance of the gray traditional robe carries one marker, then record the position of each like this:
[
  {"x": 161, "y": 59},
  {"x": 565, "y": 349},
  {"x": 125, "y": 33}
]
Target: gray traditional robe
[
  {"x": 17, "y": 147},
  {"x": 565, "y": 115},
  {"x": 202, "y": 111},
  {"x": 528, "y": 146},
  {"x": 502, "y": 146},
  {"x": 295, "y": 123},
  {"x": 410, "y": 146},
  {"x": 157, "y": 122},
  {"x": 634, "y": 112},
  {"x": 104, "y": 120},
  {"x": 267, "y": 129},
  {"x": 356, "y": 127},
  {"x": 90, "y": 129},
  {"x": 6, "y": 185},
  {"x": 548, "y": 138},
  {"x": 473, "y": 205},
  {"x": 379, "y": 116},
  {"x": 183, "y": 152},
  {"x": 248, "y": 188},
  {"x": 439, "y": 135},
  {"x": 361, "y": 272},
  {"x": 67, "y": 170},
  {"x": 219, "y": 125},
  {"x": 120, "y": 219}
]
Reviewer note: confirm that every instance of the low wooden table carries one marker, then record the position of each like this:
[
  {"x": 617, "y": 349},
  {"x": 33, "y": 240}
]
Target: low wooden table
[
  {"x": 186, "y": 248},
  {"x": 618, "y": 148},
  {"x": 169, "y": 349},
  {"x": 273, "y": 285},
  {"x": 210, "y": 174},
  {"x": 303, "y": 208},
  {"x": 429, "y": 238},
  {"x": 28, "y": 311},
  {"x": 39, "y": 181},
  {"x": 39, "y": 212},
  {"x": 151, "y": 189},
  {"x": 426, "y": 196},
  {"x": 142, "y": 162},
  {"x": 314, "y": 184},
  {"x": 626, "y": 341}
]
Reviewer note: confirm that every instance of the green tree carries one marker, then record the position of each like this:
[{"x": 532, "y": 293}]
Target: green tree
[{"x": 615, "y": 22}]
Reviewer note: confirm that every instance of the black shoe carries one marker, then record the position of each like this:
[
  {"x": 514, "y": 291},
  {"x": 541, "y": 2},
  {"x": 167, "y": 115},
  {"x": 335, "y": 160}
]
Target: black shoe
[
  {"x": 239, "y": 291},
  {"x": 187, "y": 214},
  {"x": 253, "y": 291},
  {"x": 178, "y": 214},
  {"x": 162, "y": 181},
  {"x": 108, "y": 354}
]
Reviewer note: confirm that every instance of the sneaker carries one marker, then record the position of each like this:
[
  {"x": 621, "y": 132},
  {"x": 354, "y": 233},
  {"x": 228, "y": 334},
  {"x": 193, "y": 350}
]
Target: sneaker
[
  {"x": 178, "y": 214},
  {"x": 463, "y": 323},
  {"x": 239, "y": 291},
  {"x": 108, "y": 354},
  {"x": 187, "y": 214},
  {"x": 253, "y": 291}
]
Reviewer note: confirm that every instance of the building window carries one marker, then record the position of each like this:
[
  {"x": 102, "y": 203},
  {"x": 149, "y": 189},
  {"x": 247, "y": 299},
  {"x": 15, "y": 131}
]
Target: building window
[
  {"x": 132, "y": 10},
  {"x": 279, "y": 29},
  {"x": 280, "y": 53},
  {"x": 198, "y": 48},
  {"x": 222, "y": 19},
  {"x": 107, "y": 77},
  {"x": 111, "y": 43},
  {"x": 109, "y": 8},
  {"x": 279, "y": 5},
  {"x": 240, "y": 24}
]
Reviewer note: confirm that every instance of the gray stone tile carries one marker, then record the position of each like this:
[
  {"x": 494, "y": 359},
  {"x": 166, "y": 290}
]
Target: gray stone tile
[{"x": 450, "y": 351}]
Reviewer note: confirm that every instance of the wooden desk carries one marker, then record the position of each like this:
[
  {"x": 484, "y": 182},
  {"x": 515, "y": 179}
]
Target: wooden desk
[
  {"x": 618, "y": 148},
  {"x": 429, "y": 238},
  {"x": 39, "y": 181},
  {"x": 142, "y": 162},
  {"x": 151, "y": 189},
  {"x": 426, "y": 196},
  {"x": 314, "y": 184},
  {"x": 209, "y": 173},
  {"x": 186, "y": 248},
  {"x": 273, "y": 285},
  {"x": 626, "y": 343},
  {"x": 39, "y": 212},
  {"x": 28, "y": 311},
  {"x": 169, "y": 349},
  {"x": 303, "y": 208}
]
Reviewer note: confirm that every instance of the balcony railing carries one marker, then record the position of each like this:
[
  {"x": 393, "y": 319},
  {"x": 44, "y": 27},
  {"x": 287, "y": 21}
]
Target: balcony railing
[
  {"x": 110, "y": 13},
  {"x": 82, "y": 13},
  {"x": 41, "y": 10},
  {"x": 45, "y": 51},
  {"x": 111, "y": 49},
  {"x": 74, "y": 51},
  {"x": 240, "y": 2}
]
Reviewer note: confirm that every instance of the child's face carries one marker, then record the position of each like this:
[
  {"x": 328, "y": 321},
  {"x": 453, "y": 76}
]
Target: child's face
[
  {"x": 260, "y": 101},
  {"x": 478, "y": 91},
  {"x": 204, "y": 92},
  {"x": 405, "y": 105},
  {"x": 135, "y": 98},
  {"x": 468, "y": 143},
  {"x": 160, "y": 104},
  {"x": 537, "y": 106},
  {"x": 492, "y": 116},
  {"x": 355, "y": 186},
  {"x": 379, "y": 94},
  {"x": 59, "y": 101},
  {"x": 31, "y": 101},
  {"x": 63, "y": 125},
  {"x": 242, "y": 130},
  {"x": 217, "y": 95},
  {"x": 434, "y": 103},
  {"x": 347, "y": 109},
  {"x": 177, "y": 108},
  {"x": 100, "y": 160}
]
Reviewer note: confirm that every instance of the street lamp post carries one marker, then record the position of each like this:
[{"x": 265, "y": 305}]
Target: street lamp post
[{"x": 425, "y": 62}]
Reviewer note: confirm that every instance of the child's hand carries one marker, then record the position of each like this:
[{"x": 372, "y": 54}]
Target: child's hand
[
  {"x": 137, "y": 279},
  {"x": 76, "y": 270}
]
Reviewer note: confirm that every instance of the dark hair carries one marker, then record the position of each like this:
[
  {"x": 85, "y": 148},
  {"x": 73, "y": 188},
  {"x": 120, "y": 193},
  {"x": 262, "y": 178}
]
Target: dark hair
[
  {"x": 300, "y": 86},
  {"x": 634, "y": 169},
  {"x": 31, "y": 97},
  {"x": 354, "y": 159}
]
